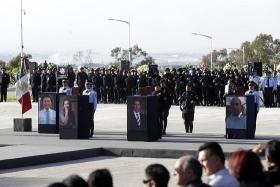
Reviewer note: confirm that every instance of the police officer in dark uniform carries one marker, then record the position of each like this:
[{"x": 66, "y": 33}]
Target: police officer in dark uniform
[
  {"x": 187, "y": 106},
  {"x": 128, "y": 85},
  {"x": 167, "y": 104},
  {"x": 43, "y": 80},
  {"x": 161, "y": 108},
  {"x": 205, "y": 88},
  {"x": 97, "y": 82},
  {"x": 81, "y": 79},
  {"x": 107, "y": 85},
  {"x": 4, "y": 84},
  {"x": 179, "y": 85},
  {"x": 35, "y": 82},
  {"x": 219, "y": 85},
  {"x": 156, "y": 78},
  {"x": 117, "y": 87},
  {"x": 51, "y": 81},
  {"x": 168, "y": 77},
  {"x": 141, "y": 82},
  {"x": 71, "y": 77},
  {"x": 91, "y": 75}
]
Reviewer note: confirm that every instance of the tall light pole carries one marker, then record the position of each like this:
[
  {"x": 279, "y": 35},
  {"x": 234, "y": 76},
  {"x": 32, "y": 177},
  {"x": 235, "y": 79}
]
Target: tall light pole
[
  {"x": 21, "y": 12},
  {"x": 243, "y": 50},
  {"x": 210, "y": 37},
  {"x": 127, "y": 22}
]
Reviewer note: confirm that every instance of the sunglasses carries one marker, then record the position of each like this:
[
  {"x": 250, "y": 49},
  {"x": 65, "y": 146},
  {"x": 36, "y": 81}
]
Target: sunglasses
[{"x": 146, "y": 181}]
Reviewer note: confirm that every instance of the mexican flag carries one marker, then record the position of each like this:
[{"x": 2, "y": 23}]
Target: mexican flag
[{"x": 22, "y": 89}]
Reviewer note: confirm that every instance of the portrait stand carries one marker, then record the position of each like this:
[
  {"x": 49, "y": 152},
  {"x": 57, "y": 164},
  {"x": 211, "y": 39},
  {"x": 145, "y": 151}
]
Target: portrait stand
[
  {"x": 249, "y": 131},
  {"x": 148, "y": 129},
  {"x": 53, "y": 127},
  {"x": 79, "y": 127}
]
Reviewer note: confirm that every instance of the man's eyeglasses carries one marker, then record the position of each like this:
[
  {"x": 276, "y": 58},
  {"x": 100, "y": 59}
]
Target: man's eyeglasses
[{"x": 146, "y": 181}]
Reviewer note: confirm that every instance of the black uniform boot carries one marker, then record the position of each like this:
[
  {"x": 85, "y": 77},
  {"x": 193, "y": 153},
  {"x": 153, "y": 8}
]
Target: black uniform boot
[
  {"x": 187, "y": 126},
  {"x": 91, "y": 133},
  {"x": 191, "y": 127}
]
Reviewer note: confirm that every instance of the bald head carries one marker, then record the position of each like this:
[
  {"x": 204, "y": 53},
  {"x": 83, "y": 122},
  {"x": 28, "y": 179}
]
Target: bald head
[
  {"x": 235, "y": 106},
  {"x": 187, "y": 168}
]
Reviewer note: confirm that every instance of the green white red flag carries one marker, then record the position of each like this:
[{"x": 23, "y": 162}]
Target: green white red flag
[{"x": 22, "y": 88}]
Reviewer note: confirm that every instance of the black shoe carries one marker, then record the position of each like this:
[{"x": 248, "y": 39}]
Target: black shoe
[
  {"x": 163, "y": 132},
  {"x": 187, "y": 131}
]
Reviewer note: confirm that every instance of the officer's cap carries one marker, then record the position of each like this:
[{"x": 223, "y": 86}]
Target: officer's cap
[
  {"x": 71, "y": 68},
  {"x": 81, "y": 67},
  {"x": 64, "y": 80},
  {"x": 180, "y": 70},
  {"x": 3, "y": 68},
  {"x": 167, "y": 69},
  {"x": 173, "y": 69},
  {"x": 162, "y": 81},
  {"x": 269, "y": 72},
  {"x": 254, "y": 70},
  {"x": 91, "y": 69},
  {"x": 88, "y": 82},
  {"x": 251, "y": 83},
  {"x": 141, "y": 74}
]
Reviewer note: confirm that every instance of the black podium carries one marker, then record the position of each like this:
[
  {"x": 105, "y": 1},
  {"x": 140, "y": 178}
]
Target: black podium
[
  {"x": 240, "y": 117},
  {"x": 142, "y": 118},
  {"x": 48, "y": 112},
  {"x": 75, "y": 124}
]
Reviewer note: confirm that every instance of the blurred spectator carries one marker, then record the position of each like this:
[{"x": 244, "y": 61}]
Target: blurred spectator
[
  {"x": 212, "y": 159},
  {"x": 57, "y": 184},
  {"x": 156, "y": 176},
  {"x": 75, "y": 181},
  {"x": 100, "y": 178},
  {"x": 188, "y": 172},
  {"x": 272, "y": 156},
  {"x": 247, "y": 168}
]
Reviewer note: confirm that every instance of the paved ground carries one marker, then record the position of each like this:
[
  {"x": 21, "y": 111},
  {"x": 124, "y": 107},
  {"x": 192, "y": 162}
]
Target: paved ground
[{"x": 110, "y": 133}]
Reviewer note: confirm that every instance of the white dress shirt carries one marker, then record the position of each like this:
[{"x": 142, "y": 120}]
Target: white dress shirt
[
  {"x": 43, "y": 116},
  {"x": 271, "y": 83},
  {"x": 222, "y": 178},
  {"x": 135, "y": 114},
  {"x": 66, "y": 90},
  {"x": 238, "y": 122}
]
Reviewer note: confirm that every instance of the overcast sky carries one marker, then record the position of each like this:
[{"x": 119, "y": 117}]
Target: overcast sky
[{"x": 156, "y": 25}]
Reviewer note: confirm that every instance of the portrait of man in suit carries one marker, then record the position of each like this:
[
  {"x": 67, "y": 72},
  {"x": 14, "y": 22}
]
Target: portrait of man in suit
[{"x": 137, "y": 120}]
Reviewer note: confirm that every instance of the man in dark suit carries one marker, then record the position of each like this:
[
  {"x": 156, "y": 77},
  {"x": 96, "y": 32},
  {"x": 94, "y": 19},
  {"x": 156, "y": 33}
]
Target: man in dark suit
[{"x": 137, "y": 120}]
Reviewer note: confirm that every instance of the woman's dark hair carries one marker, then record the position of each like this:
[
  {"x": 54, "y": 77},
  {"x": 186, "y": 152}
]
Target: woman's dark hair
[
  {"x": 100, "y": 178},
  {"x": 246, "y": 166},
  {"x": 70, "y": 105},
  {"x": 75, "y": 181}
]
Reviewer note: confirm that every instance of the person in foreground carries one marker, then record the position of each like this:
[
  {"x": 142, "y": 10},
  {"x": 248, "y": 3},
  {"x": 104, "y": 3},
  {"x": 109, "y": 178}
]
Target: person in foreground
[
  {"x": 272, "y": 156},
  {"x": 100, "y": 178},
  {"x": 188, "y": 172},
  {"x": 75, "y": 181},
  {"x": 212, "y": 159},
  {"x": 247, "y": 168},
  {"x": 156, "y": 175}
]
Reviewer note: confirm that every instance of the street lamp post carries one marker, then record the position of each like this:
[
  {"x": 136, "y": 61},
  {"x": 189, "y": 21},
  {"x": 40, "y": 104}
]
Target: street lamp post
[
  {"x": 210, "y": 37},
  {"x": 127, "y": 22},
  {"x": 243, "y": 54},
  {"x": 21, "y": 12}
]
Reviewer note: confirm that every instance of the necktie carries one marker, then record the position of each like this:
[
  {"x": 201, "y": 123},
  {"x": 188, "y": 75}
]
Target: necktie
[
  {"x": 268, "y": 82},
  {"x": 138, "y": 119},
  {"x": 251, "y": 92},
  {"x": 48, "y": 117}
]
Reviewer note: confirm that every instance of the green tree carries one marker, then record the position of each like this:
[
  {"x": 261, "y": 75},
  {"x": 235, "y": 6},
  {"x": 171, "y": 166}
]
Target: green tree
[
  {"x": 14, "y": 64},
  {"x": 2, "y": 63}
]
